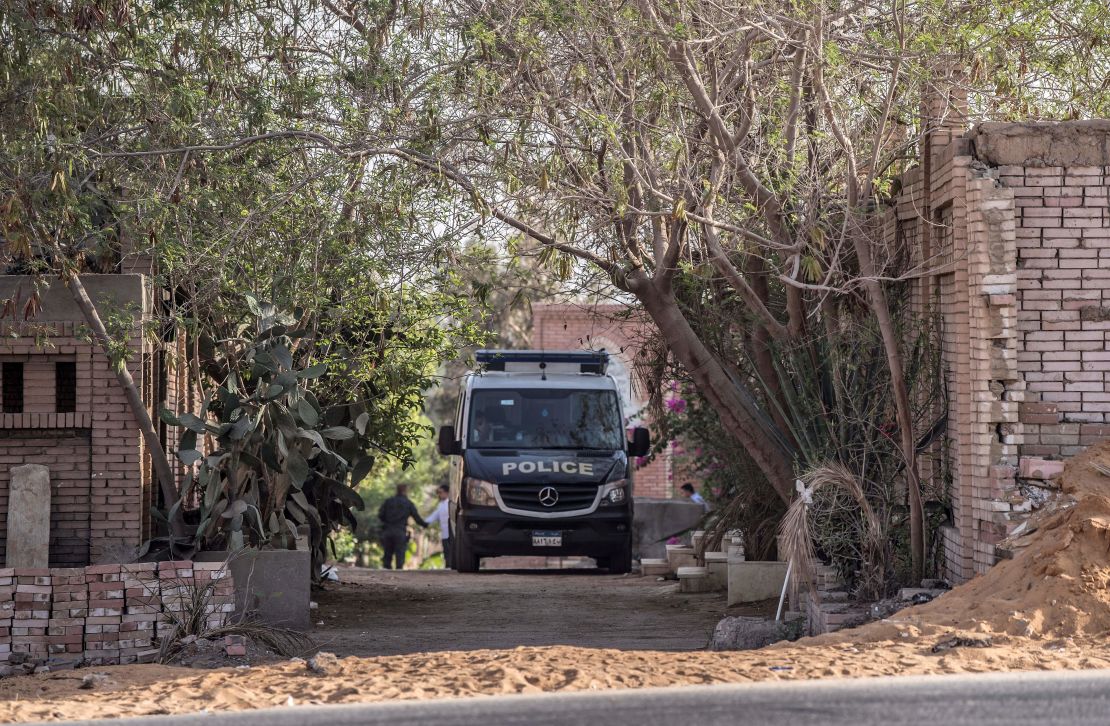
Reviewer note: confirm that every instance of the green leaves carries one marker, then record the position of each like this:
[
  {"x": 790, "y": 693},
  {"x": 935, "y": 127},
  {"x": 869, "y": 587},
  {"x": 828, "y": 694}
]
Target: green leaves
[
  {"x": 338, "y": 433},
  {"x": 314, "y": 371},
  {"x": 307, "y": 413},
  {"x": 297, "y": 468},
  {"x": 192, "y": 423},
  {"x": 280, "y": 457},
  {"x": 188, "y": 457}
]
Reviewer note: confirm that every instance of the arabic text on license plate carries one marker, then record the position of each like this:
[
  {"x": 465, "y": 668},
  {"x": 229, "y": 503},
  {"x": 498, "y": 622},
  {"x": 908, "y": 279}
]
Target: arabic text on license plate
[{"x": 547, "y": 539}]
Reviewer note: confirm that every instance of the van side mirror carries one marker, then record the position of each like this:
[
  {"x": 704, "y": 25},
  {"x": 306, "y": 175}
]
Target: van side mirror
[
  {"x": 640, "y": 445},
  {"x": 448, "y": 443}
]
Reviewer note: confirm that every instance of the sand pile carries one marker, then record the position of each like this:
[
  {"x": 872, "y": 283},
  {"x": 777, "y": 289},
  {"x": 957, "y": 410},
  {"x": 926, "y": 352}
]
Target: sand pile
[{"x": 1056, "y": 586}]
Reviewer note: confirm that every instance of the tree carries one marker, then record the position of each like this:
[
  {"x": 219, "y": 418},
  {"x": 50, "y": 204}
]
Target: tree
[
  {"x": 143, "y": 129},
  {"x": 750, "y": 145}
]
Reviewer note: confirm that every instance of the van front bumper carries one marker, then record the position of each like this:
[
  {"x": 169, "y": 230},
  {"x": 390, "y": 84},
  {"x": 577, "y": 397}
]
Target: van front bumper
[{"x": 491, "y": 532}]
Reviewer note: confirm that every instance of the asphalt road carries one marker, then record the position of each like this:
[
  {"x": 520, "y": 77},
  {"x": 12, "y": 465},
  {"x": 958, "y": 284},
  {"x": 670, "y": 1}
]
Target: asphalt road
[{"x": 1046, "y": 699}]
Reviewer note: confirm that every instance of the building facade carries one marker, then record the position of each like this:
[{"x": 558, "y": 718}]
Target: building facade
[{"x": 63, "y": 408}]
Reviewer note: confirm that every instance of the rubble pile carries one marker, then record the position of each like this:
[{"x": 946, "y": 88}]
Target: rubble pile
[{"x": 1056, "y": 584}]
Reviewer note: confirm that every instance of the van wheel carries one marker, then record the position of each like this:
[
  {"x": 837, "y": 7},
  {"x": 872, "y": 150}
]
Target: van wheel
[
  {"x": 620, "y": 562},
  {"x": 464, "y": 558}
]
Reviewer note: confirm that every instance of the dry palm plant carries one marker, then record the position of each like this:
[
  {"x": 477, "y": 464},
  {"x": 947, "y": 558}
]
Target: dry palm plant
[{"x": 796, "y": 535}]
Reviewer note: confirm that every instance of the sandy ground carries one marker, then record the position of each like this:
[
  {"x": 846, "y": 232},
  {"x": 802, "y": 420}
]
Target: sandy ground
[{"x": 434, "y": 635}]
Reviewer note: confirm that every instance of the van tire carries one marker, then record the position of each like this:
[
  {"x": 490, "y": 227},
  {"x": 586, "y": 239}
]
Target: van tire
[
  {"x": 464, "y": 558},
  {"x": 620, "y": 562}
]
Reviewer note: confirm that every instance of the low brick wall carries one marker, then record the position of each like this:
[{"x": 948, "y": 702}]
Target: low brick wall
[
  {"x": 832, "y": 609},
  {"x": 103, "y": 614}
]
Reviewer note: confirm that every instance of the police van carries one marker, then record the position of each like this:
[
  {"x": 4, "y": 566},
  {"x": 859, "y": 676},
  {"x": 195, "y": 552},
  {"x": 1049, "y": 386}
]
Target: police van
[{"x": 540, "y": 460}]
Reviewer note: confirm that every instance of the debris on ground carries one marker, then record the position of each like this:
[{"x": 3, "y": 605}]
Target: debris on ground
[
  {"x": 962, "y": 641},
  {"x": 748, "y": 633},
  {"x": 221, "y": 652},
  {"x": 323, "y": 663},
  {"x": 92, "y": 680}
]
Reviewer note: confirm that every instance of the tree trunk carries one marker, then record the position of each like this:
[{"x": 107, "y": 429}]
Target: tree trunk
[
  {"x": 738, "y": 413},
  {"x": 134, "y": 400},
  {"x": 880, "y": 308}
]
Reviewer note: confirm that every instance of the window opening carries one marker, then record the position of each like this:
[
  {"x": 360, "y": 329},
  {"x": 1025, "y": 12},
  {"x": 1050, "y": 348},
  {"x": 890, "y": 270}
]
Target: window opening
[
  {"x": 12, "y": 376},
  {"x": 65, "y": 386}
]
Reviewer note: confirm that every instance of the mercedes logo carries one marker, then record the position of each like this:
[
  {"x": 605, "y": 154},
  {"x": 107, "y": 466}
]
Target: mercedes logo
[{"x": 548, "y": 496}]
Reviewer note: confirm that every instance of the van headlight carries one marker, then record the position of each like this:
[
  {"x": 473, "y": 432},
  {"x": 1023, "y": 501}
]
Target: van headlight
[
  {"x": 481, "y": 493},
  {"x": 615, "y": 492}
]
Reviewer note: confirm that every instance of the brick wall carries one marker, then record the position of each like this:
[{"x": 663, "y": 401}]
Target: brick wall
[
  {"x": 69, "y": 455},
  {"x": 103, "y": 614},
  {"x": 101, "y": 474},
  {"x": 1012, "y": 223},
  {"x": 608, "y": 326},
  {"x": 1063, "y": 291}
]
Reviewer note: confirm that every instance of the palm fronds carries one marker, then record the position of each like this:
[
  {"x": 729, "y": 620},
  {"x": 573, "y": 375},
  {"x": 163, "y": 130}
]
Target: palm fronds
[{"x": 822, "y": 485}]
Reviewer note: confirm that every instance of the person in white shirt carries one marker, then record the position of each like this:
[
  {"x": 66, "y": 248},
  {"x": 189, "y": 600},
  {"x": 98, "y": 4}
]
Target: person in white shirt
[
  {"x": 442, "y": 517},
  {"x": 687, "y": 490}
]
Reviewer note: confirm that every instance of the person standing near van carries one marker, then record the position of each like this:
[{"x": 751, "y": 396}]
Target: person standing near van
[
  {"x": 394, "y": 515},
  {"x": 442, "y": 517},
  {"x": 687, "y": 490}
]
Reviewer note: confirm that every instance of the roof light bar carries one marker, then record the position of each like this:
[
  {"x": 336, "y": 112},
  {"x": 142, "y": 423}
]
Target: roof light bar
[{"x": 588, "y": 361}]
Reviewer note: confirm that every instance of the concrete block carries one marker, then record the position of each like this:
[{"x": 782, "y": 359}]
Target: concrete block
[
  {"x": 752, "y": 581},
  {"x": 655, "y": 567},
  {"x": 717, "y": 564},
  {"x": 272, "y": 585},
  {"x": 655, "y": 521},
  {"x": 680, "y": 556},
  {"x": 1032, "y": 468},
  {"x": 28, "y": 516},
  {"x": 694, "y": 580},
  {"x": 697, "y": 541}
]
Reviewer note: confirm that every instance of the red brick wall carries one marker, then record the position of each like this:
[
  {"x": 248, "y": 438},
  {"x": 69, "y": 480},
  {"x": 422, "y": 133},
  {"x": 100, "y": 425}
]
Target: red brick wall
[
  {"x": 68, "y": 455},
  {"x": 103, "y": 614},
  {"x": 94, "y": 454},
  {"x": 575, "y": 327}
]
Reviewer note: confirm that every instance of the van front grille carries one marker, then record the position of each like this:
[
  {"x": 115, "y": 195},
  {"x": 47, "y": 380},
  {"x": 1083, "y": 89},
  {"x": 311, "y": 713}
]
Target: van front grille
[{"x": 571, "y": 497}]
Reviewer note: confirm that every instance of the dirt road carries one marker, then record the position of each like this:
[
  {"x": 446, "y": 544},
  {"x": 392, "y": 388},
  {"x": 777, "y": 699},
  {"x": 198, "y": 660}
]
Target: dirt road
[{"x": 376, "y": 612}]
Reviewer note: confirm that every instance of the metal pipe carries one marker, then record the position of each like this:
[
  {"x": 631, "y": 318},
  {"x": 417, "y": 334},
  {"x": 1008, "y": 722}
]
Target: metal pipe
[{"x": 785, "y": 584}]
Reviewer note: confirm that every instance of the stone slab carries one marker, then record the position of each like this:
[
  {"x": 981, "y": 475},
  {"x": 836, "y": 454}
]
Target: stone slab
[
  {"x": 272, "y": 585},
  {"x": 654, "y": 521},
  {"x": 680, "y": 556},
  {"x": 57, "y": 303},
  {"x": 753, "y": 581},
  {"x": 28, "y": 543},
  {"x": 747, "y": 633},
  {"x": 1043, "y": 144}
]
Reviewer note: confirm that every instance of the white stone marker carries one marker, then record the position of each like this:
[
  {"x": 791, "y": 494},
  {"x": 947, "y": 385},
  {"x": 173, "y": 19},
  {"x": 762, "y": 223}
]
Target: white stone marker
[{"x": 29, "y": 517}]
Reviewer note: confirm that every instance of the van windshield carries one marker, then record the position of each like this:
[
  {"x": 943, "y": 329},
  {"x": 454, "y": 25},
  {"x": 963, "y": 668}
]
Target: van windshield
[{"x": 545, "y": 419}]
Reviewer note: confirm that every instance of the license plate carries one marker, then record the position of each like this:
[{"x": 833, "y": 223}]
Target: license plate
[{"x": 547, "y": 539}]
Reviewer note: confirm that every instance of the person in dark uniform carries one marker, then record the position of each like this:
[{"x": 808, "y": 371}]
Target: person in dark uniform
[{"x": 394, "y": 515}]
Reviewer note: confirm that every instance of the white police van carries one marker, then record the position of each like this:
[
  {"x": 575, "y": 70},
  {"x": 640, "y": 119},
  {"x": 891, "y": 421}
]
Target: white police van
[{"x": 540, "y": 462}]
